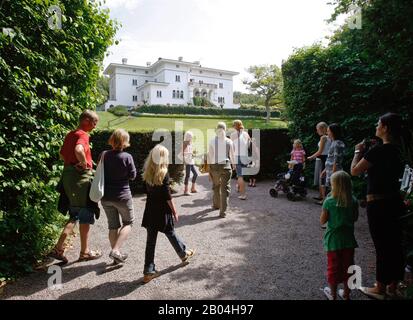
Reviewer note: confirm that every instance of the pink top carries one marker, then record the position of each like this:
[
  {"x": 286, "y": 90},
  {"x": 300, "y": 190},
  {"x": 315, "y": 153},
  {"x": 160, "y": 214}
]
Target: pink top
[{"x": 298, "y": 155}]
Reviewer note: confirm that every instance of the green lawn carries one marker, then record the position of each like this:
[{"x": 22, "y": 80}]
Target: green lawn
[
  {"x": 149, "y": 123},
  {"x": 108, "y": 121}
]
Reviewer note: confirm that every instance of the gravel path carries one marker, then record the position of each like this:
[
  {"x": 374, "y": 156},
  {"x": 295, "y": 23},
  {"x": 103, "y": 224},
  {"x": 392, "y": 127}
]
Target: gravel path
[{"x": 266, "y": 248}]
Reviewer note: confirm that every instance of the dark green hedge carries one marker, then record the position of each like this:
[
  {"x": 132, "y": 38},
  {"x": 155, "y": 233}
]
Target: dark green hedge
[
  {"x": 47, "y": 77},
  {"x": 119, "y": 111},
  {"x": 275, "y": 147},
  {"x": 161, "y": 109},
  {"x": 141, "y": 144}
]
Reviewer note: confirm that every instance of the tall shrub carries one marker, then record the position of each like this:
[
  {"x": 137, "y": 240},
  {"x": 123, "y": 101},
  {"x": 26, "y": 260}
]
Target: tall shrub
[
  {"x": 360, "y": 75},
  {"x": 48, "y": 74}
]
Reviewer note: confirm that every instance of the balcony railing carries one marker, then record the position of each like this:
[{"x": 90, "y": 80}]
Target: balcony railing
[{"x": 202, "y": 85}]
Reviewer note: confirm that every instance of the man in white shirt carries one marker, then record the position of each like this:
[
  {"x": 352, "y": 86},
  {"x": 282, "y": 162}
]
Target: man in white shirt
[{"x": 221, "y": 160}]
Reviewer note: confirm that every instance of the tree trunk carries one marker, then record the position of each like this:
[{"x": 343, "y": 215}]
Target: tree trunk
[{"x": 267, "y": 108}]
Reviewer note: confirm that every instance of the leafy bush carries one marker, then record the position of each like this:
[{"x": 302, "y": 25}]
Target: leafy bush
[
  {"x": 352, "y": 82},
  {"x": 119, "y": 111},
  {"x": 47, "y": 77},
  {"x": 161, "y": 109}
]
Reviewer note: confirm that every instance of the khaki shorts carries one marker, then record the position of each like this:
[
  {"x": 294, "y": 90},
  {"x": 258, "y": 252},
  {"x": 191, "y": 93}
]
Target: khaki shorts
[{"x": 118, "y": 209}]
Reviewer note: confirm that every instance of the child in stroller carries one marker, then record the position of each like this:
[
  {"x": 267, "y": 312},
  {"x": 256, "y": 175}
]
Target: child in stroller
[{"x": 292, "y": 183}]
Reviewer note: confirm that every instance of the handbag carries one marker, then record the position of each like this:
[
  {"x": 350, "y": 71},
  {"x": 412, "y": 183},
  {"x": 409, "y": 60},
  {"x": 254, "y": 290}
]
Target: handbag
[{"x": 98, "y": 184}]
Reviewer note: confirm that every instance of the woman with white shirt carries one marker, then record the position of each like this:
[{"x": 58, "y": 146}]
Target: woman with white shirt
[
  {"x": 241, "y": 141},
  {"x": 321, "y": 157}
]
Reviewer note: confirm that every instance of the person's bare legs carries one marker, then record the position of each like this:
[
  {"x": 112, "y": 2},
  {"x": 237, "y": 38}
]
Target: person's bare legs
[
  {"x": 113, "y": 237},
  {"x": 121, "y": 238},
  {"x": 346, "y": 295},
  {"x": 241, "y": 185},
  {"x": 68, "y": 229},
  {"x": 322, "y": 192},
  {"x": 84, "y": 237},
  {"x": 333, "y": 288}
]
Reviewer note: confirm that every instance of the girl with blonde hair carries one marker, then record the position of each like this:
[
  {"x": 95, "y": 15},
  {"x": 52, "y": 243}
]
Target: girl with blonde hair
[
  {"x": 340, "y": 211},
  {"x": 188, "y": 157},
  {"x": 160, "y": 212}
]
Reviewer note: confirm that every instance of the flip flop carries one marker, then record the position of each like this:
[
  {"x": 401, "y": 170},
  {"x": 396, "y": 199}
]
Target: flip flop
[{"x": 91, "y": 255}]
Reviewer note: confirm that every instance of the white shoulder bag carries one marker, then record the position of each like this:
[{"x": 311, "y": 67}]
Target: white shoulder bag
[{"x": 98, "y": 183}]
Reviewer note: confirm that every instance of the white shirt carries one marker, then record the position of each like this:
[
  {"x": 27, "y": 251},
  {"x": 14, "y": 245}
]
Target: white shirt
[
  {"x": 241, "y": 140},
  {"x": 223, "y": 153}
]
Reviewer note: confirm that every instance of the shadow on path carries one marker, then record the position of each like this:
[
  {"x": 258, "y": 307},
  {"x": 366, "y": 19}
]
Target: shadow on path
[{"x": 113, "y": 289}]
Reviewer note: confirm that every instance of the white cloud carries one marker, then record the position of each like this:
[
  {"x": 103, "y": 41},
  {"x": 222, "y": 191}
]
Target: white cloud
[
  {"x": 127, "y": 4},
  {"x": 229, "y": 34}
]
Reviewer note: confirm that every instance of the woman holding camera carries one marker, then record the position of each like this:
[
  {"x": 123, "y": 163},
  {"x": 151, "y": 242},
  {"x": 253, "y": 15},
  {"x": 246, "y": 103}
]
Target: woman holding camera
[{"x": 384, "y": 167}]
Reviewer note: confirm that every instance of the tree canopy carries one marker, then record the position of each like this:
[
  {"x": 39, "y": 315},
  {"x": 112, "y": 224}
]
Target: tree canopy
[{"x": 266, "y": 82}]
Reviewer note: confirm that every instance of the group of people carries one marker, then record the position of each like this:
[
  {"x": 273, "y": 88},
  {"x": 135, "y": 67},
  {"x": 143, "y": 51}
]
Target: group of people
[
  {"x": 226, "y": 153},
  {"x": 160, "y": 212},
  {"x": 384, "y": 167}
]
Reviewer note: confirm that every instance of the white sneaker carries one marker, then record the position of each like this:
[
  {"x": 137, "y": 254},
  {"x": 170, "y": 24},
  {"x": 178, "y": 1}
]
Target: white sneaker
[
  {"x": 243, "y": 197},
  {"x": 327, "y": 293}
]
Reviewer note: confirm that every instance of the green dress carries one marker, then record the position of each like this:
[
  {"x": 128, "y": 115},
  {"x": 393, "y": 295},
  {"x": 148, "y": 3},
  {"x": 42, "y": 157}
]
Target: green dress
[{"x": 340, "y": 226}]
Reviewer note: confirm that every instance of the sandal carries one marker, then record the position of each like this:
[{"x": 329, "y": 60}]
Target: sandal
[
  {"x": 58, "y": 255},
  {"x": 91, "y": 255}
]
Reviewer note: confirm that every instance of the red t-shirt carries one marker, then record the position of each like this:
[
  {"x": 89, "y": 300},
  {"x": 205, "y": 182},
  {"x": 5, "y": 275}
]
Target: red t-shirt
[{"x": 72, "y": 139}]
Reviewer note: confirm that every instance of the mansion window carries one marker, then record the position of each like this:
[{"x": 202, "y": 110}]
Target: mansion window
[
  {"x": 221, "y": 86},
  {"x": 221, "y": 100},
  {"x": 159, "y": 94},
  {"x": 134, "y": 82},
  {"x": 176, "y": 94},
  {"x": 177, "y": 78},
  {"x": 134, "y": 98},
  {"x": 146, "y": 71}
]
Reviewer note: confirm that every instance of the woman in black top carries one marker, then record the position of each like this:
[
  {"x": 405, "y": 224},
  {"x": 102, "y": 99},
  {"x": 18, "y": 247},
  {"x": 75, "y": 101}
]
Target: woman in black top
[
  {"x": 160, "y": 213},
  {"x": 384, "y": 167}
]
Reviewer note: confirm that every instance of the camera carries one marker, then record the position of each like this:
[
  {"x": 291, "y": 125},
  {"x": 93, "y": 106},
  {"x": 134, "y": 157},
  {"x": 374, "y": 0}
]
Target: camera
[{"x": 369, "y": 143}]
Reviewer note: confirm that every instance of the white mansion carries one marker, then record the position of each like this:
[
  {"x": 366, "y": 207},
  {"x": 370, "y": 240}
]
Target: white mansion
[{"x": 168, "y": 82}]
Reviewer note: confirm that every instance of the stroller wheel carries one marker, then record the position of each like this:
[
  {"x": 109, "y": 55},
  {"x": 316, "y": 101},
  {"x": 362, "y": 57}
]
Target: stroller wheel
[
  {"x": 290, "y": 196},
  {"x": 273, "y": 193}
]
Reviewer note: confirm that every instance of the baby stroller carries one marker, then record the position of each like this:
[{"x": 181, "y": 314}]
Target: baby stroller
[{"x": 292, "y": 183}]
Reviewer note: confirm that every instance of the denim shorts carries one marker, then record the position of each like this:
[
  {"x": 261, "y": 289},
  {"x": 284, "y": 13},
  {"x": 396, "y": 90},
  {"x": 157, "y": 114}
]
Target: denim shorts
[
  {"x": 240, "y": 165},
  {"x": 118, "y": 209},
  {"x": 83, "y": 215}
]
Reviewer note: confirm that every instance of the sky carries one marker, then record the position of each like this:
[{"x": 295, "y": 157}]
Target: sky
[{"x": 223, "y": 34}]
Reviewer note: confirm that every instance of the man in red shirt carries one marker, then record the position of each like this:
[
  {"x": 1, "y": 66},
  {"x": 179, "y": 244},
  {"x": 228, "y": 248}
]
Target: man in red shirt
[{"x": 76, "y": 177}]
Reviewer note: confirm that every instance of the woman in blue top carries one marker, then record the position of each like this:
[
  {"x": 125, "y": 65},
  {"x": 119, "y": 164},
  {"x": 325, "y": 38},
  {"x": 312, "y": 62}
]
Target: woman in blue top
[{"x": 117, "y": 199}]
